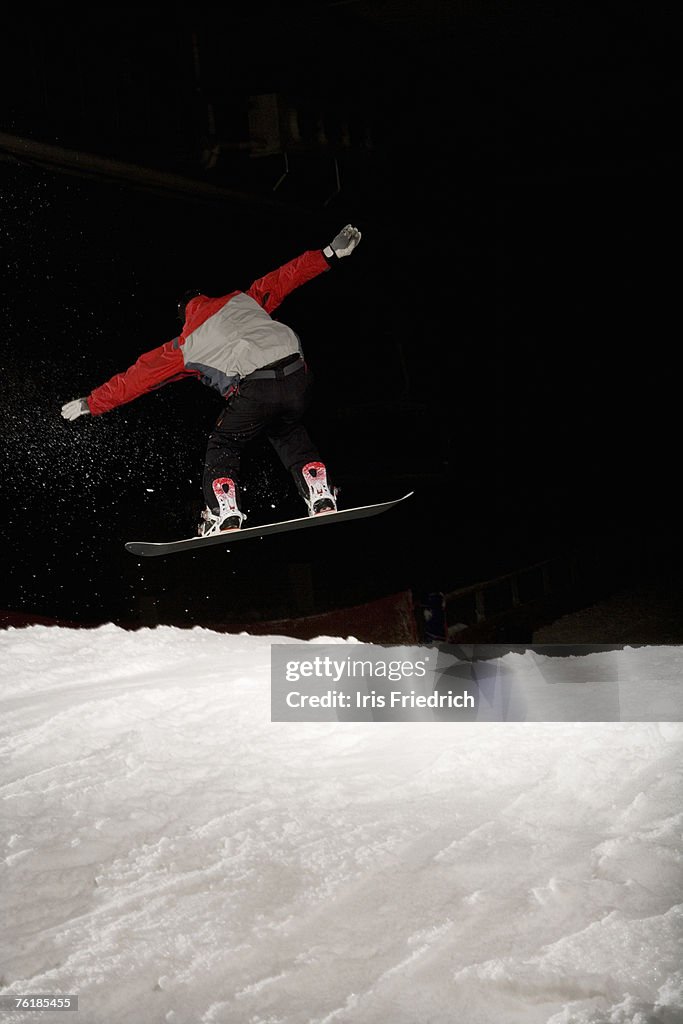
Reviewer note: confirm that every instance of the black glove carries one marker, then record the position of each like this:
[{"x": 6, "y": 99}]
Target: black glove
[{"x": 344, "y": 243}]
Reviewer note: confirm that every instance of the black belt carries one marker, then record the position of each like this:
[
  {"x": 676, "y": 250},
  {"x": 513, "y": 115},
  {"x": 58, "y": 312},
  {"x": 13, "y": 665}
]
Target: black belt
[{"x": 275, "y": 372}]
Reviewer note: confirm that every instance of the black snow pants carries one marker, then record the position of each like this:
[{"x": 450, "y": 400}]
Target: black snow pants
[{"x": 272, "y": 406}]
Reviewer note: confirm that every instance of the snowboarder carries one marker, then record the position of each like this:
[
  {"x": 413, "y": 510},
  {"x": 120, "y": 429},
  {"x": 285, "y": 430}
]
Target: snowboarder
[{"x": 232, "y": 344}]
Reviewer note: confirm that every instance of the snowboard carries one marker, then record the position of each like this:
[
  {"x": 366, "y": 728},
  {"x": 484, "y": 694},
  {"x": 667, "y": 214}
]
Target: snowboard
[{"x": 172, "y": 547}]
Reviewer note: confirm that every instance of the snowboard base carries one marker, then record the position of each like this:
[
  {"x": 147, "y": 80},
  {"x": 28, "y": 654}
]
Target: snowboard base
[{"x": 151, "y": 548}]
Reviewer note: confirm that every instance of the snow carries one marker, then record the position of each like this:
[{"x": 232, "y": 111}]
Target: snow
[{"x": 173, "y": 856}]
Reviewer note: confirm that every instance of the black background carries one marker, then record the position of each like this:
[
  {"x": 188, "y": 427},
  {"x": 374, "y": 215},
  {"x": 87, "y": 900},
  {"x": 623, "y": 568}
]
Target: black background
[{"x": 504, "y": 341}]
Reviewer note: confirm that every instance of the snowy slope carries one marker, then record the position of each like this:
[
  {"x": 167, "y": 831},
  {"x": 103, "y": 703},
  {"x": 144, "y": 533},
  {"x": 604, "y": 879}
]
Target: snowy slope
[{"x": 172, "y": 855}]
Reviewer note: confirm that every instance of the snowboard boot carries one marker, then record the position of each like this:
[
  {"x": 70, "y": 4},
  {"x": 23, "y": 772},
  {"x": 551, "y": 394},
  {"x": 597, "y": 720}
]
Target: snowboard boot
[
  {"x": 228, "y": 515},
  {"x": 315, "y": 491}
]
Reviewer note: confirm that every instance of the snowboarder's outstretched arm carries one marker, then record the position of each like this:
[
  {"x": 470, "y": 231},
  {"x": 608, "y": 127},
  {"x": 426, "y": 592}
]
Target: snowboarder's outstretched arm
[
  {"x": 166, "y": 363},
  {"x": 159, "y": 366},
  {"x": 269, "y": 291}
]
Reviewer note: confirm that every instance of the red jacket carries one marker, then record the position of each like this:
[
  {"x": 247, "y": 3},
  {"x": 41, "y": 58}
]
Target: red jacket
[{"x": 223, "y": 339}]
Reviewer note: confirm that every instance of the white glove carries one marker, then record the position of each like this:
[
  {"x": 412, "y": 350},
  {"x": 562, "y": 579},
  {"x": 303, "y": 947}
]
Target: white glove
[
  {"x": 72, "y": 410},
  {"x": 343, "y": 243}
]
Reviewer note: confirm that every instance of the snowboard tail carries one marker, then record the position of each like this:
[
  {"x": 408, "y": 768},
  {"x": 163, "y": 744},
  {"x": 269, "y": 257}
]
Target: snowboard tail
[{"x": 152, "y": 548}]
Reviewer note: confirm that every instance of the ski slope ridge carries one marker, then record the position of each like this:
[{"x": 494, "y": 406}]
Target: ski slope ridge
[{"x": 170, "y": 855}]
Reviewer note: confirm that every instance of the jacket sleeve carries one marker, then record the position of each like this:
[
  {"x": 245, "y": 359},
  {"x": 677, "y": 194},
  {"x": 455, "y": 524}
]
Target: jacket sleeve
[
  {"x": 160, "y": 366},
  {"x": 269, "y": 291}
]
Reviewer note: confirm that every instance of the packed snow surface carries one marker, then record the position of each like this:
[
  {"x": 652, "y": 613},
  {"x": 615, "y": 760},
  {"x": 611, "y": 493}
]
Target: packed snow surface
[{"x": 170, "y": 855}]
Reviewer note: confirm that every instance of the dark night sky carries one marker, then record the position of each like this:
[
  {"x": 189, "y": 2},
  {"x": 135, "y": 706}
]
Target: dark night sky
[{"x": 502, "y": 341}]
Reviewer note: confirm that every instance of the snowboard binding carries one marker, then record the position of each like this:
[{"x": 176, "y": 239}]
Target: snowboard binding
[
  {"x": 315, "y": 490},
  {"x": 228, "y": 516}
]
